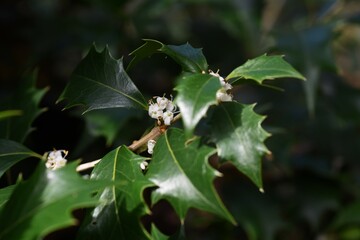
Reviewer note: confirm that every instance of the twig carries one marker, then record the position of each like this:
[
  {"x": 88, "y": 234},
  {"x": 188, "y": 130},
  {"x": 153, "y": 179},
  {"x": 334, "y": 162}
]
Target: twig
[{"x": 153, "y": 134}]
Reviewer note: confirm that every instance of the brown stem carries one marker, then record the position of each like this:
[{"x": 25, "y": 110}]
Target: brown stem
[{"x": 153, "y": 134}]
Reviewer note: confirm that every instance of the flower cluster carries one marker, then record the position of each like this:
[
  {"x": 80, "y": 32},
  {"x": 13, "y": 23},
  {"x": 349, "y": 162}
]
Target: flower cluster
[
  {"x": 56, "y": 159},
  {"x": 222, "y": 94},
  {"x": 163, "y": 110}
]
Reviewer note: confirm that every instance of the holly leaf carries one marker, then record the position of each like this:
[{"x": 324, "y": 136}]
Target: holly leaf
[
  {"x": 108, "y": 122},
  {"x": 12, "y": 152},
  {"x": 196, "y": 93},
  {"x": 5, "y": 194},
  {"x": 26, "y": 101},
  {"x": 156, "y": 234},
  {"x": 264, "y": 68},
  {"x": 238, "y": 135},
  {"x": 101, "y": 82},
  {"x": 121, "y": 206},
  {"x": 189, "y": 58},
  {"x": 183, "y": 175},
  {"x": 44, "y": 203}
]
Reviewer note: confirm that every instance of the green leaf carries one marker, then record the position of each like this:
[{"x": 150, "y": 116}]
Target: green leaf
[
  {"x": 12, "y": 152},
  {"x": 349, "y": 215},
  {"x": 189, "y": 58},
  {"x": 196, "y": 93},
  {"x": 265, "y": 68},
  {"x": 156, "y": 234},
  {"x": 183, "y": 175},
  {"x": 108, "y": 122},
  {"x": 101, "y": 82},
  {"x": 44, "y": 203},
  {"x": 9, "y": 113},
  {"x": 239, "y": 137},
  {"x": 26, "y": 99},
  {"x": 5, "y": 195},
  {"x": 118, "y": 215}
]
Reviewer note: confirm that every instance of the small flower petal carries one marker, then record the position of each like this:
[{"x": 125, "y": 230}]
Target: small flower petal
[
  {"x": 168, "y": 117},
  {"x": 223, "y": 96},
  {"x": 144, "y": 165},
  {"x": 150, "y": 145},
  {"x": 162, "y": 102}
]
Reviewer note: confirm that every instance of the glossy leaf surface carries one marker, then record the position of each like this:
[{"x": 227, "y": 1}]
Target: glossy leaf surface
[
  {"x": 122, "y": 205},
  {"x": 183, "y": 175},
  {"x": 239, "y": 137},
  {"x": 265, "y": 68},
  {"x": 26, "y": 101},
  {"x": 101, "y": 82},
  {"x": 189, "y": 58},
  {"x": 12, "y": 152},
  {"x": 44, "y": 202},
  {"x": 196, "y": 93}
]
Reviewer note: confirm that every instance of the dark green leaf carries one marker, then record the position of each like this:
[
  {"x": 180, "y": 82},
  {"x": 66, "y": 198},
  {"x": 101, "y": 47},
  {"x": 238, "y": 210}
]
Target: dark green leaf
[
  {"x": 108, "y": 122},
  {"x": 196, "y": 93},
  {"x": 5, "y": 194},
  {"x": 348, "y": 215},
  {"x": 12, "y": 152},
  {"x": 239, "y": 137},
  {"x": 146, "y": 50},
  {"x": 265, "y": 68},
  {"x": 157, "y": 235},
  {"x": 101, "y": 82},
  {"x": 26, "y": 99},
  {"x": 183, "y": 175},
  {"x": 118, "y": 215},
  {"x": 44, "y": 202},
  {"x": 189, "y": 58}
]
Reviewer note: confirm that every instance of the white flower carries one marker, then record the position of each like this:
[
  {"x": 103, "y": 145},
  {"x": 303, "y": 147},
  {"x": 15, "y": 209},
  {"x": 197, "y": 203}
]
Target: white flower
[
  {"x": 168, "y": 117},
  {"x": 56, "y": 159},
  {"x": 162, "y": 102},
  {"x": 155, "y": 111},
  {"x": 150, "y": 145},
  {"x": 163, "y": 110},
  {"x": 170, "y": 106},
  {"x": 223, "y": 96},
  {"x": 225, "y": 85},
  {"x": 144, "y": 165}
]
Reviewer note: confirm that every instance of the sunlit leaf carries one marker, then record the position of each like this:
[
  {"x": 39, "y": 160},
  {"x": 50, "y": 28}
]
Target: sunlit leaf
[
  {"x": 44, "y": 203},
  {"x": 183, "y": 175},
  {"x": 196, "y": 93},
  {"x": 9, "y": 113},
  {"x": 121, "y": 206},
  {"x": 26, "y": 101},
  {"x": 101, "y": 82},
  {"x": 189, "y": 58},
  {"x": 237, "y": 132},
  {"x": 12, "y": 152},
  {"x": 265, "y": 68}
]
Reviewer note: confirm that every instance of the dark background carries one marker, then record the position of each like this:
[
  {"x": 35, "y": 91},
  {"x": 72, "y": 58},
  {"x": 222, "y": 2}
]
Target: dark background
[{"x": 311, "y": 180}]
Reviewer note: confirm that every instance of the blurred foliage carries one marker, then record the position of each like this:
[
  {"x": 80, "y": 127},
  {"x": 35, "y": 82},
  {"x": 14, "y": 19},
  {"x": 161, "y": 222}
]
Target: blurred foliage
[{"x": 311, "y": 180}]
